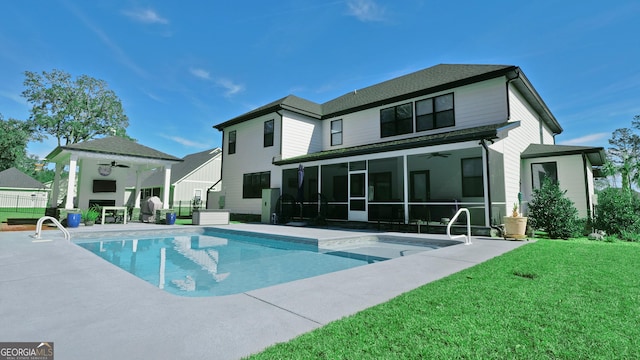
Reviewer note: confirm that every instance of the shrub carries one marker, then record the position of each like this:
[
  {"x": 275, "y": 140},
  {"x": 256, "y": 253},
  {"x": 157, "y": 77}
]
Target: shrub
[
  {"x": 618, "y": 212},
  {"x": 553, "y": 212}
]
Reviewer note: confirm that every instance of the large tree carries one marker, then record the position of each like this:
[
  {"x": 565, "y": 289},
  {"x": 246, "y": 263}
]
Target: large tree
[
  {"x": 16, "y": 134},
  {"x": 73, "y": 110},
  {"x": 624, "y": 155}
]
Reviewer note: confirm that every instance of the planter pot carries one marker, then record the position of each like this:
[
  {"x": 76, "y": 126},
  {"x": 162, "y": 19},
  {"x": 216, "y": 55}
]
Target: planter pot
[
  {"x": 89, "y": 223},
  {"x": 515, "y": 227},
  {"x": 73, "y": 220},
  {"x": 171, "y": 218}
]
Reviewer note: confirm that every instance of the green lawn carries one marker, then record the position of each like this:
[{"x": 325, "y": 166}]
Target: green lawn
[
  {"x": 546, "y": 300},
  {"x": 29, "y": 213}
]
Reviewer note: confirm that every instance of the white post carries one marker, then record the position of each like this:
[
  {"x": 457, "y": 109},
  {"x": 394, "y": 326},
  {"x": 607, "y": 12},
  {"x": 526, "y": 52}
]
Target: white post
[
  {"x": 485, "y": 182},
  {"x": 166, "y": 189},
  {"x": 55, "y": 192},
  {"x": 136, "y": 191},
  {"x": 73, "y": 162}
]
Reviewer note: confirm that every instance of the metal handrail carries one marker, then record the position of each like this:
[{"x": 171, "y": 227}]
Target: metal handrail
[
  {"x": 467, "y": 240},
  {"x": 66, "y": 233}
]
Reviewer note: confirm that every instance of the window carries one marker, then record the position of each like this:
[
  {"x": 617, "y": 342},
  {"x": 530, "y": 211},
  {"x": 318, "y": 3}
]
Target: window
[
  {"x": 232, "y": 142},
  {"x": 541, "y": 171},
  {"x": 252, "y": 184},
  {"x": 396, "y": 120},
  {"x": 472, "y": 177},
  {"x": 336, "y": 132},
  {"x": 435, "y": 113},
  {"x": 268, "y": 133}
]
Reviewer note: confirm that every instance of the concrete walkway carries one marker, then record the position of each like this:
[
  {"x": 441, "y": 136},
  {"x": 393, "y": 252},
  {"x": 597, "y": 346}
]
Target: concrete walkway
[{"x": 56, "y": 291}]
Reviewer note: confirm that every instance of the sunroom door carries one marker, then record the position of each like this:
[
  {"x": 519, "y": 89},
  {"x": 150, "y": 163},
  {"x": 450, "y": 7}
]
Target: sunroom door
[{"x": 358, "y": 191}]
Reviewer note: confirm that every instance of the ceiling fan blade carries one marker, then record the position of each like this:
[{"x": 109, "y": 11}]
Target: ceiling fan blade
[{"x": 121, "y": 165}]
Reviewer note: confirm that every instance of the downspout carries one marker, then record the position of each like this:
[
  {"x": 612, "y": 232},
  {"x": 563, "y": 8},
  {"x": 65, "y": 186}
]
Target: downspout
[
  {"x": 509, "y": 80},
  {"x": 206, "y": 199},
  {"x": 483, "y": 142},
  {"x": 586, "y": 186}
]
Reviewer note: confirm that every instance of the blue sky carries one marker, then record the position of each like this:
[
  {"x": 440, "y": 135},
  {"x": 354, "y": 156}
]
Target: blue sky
[{"x": 182, "y": 67}]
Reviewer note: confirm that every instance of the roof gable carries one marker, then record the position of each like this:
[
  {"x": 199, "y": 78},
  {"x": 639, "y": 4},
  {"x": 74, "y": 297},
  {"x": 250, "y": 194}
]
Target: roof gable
[
  {"x": 14, "y": 178},
  {"x": 179, "y": 171}
]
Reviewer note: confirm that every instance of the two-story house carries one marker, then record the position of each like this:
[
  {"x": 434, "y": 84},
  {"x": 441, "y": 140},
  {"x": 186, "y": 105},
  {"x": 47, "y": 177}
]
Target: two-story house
[{"x": 416, "y": 147}]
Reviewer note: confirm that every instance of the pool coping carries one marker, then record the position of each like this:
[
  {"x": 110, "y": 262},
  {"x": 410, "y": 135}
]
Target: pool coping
[{"x": 56, "y": 291}]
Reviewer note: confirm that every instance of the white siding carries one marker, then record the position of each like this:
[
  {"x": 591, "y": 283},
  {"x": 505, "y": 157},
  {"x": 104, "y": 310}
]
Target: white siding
[
  {"x": 570, "y": 177},
  {"x": 519, "y": 138},
  {"x": 251, "y": 157},
  {"x": 547, "y": 136},
  {"x": 475, "y": 105},
  {"x": 202, "y": 178},
  {"x": 300, "y": 135}
]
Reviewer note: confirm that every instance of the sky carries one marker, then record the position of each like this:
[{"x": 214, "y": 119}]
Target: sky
[{"x": 181, "y": 67}]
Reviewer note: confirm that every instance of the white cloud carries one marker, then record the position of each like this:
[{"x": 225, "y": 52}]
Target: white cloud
[
  {"x": 365, "y": 10},
  {"x": 200, "y": 73},
  {"x": 186, "y": 142},
  {"x": 586, "y": 140},
  {"x": 13, "y": 96},
  {"x": 118, "y": 53},
  {"x": 231, "y": 87},
  {"x": 146, "y": 16}
]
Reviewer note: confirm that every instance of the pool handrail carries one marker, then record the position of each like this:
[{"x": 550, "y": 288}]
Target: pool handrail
[
  {"x": 41, "y": 221},
  {"x": 467, "y": 238}
]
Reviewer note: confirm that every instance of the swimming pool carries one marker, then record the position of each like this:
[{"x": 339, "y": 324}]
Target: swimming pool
[{"x": 215, "y": 263}]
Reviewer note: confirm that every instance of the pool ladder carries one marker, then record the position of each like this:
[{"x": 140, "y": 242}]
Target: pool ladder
[
  {"x": 41, "y": 221},
  {"x": 467, "y": 238}
]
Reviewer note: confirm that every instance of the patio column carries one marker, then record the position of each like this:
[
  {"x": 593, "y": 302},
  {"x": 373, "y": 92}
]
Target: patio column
[
  {"x": 73, "y": 162},
  {"x": 485, "y": 183},
  {"x": 55, "y": 192},
  {"x": 136, "y": 191},
  {"x": 406, "y": 188},
  {"x": 166, "y": 189}
]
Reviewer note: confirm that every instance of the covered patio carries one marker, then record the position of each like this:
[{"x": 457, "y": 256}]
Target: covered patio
[{"x": 101, "y": 169}]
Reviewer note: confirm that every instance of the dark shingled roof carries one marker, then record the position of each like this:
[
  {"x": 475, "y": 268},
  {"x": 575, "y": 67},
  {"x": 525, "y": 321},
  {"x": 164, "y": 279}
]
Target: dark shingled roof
[
  {"x": 14, "y": 178},
  {"x": 475, "y": 133},
  {"x": 115, "y": 145},
  {"x": 290, "y": 102},
  {"x": 424, "y": 82},
  {"x": 178, "y": 171},
  {"x": 596, "y": 155}
]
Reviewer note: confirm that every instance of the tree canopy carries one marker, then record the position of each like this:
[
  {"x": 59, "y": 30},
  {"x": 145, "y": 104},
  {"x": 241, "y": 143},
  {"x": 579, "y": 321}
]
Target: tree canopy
[
  {"x": 16, "y": 134},
  {"x": 624, "y": 155},
  {"x": 73, "y": 110}
]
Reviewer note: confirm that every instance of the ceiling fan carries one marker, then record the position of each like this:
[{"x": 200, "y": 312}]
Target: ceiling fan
[
  {"x": 115, "y": 164},
  {"x": 438, "y": 154}
]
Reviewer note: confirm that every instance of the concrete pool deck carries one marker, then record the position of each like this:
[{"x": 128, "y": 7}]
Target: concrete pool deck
[{"x": 56, "y": 291}]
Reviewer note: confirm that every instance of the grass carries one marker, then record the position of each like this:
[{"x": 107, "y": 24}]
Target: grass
[
  {"x": 27, "y": 213},
  {"x": 546, "y": 300}
]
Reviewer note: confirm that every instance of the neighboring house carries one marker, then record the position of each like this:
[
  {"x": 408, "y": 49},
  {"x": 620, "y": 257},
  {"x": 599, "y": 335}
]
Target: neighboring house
[
  {"x": 416, "y": 147},
  {"x": 102, "y": 168},
  {"x": 19, "y": 190},
  {"x": 190, "y": 180}
]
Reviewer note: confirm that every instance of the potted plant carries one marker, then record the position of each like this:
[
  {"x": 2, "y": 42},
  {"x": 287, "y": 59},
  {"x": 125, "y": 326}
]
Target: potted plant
[
  {"x": 89, "y": 216},
  {"x": 515, "y": 226}
]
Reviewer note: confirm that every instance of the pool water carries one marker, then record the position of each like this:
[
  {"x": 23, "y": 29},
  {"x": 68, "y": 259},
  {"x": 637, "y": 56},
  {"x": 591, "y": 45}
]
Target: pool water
[{"x": 214, "y": 264}]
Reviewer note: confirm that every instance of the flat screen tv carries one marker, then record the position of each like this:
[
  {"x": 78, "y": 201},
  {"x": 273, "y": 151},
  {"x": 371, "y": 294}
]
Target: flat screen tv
[{"x": 104, "y": 186}]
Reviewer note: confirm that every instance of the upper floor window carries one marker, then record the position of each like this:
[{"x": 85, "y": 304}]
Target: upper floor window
[
  {"x": 252, "y": 184},
  {"x": 336, "y": 132},
  {"x": 435, "y": 113},
  {"x": 268, "y": 133},
  {"x": 541, "y": 171},
  {"x": 472, "y": 185},
  {"x": 232, "y": 142},
  {"x": 396, "y": 120}
]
